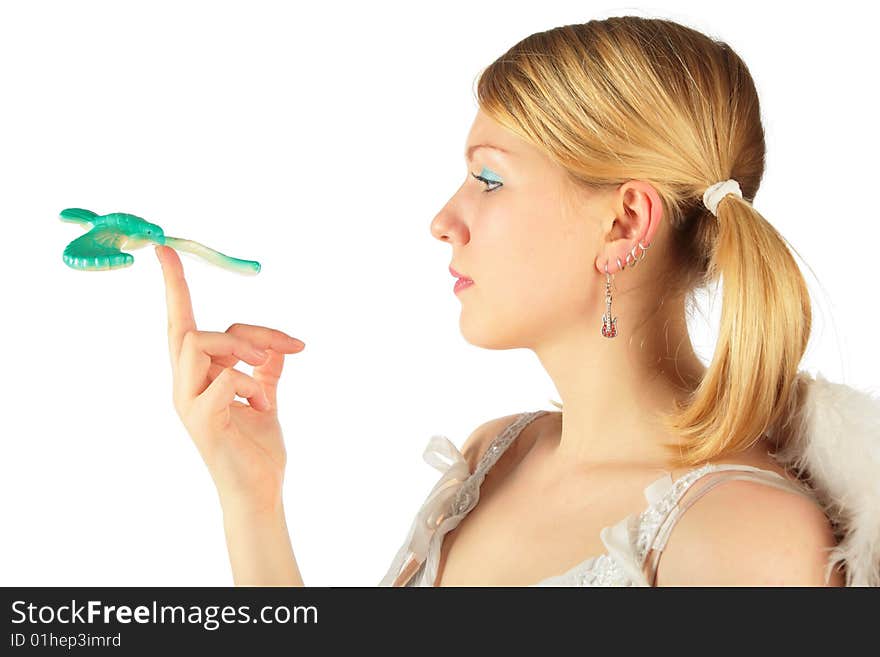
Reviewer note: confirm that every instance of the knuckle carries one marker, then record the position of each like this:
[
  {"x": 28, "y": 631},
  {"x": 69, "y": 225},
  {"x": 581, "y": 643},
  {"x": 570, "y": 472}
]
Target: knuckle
[
  {"x": 235, "y": 326},
  {"x": 188, "y": 340}
]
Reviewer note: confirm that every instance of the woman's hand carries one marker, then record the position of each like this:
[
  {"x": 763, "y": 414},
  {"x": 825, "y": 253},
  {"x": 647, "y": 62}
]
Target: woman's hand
[{"x": 240, "y": 443}]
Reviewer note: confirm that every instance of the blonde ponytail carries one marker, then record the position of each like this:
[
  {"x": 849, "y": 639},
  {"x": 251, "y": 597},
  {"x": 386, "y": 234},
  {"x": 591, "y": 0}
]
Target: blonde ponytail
[{"x": 765, "y": 324}]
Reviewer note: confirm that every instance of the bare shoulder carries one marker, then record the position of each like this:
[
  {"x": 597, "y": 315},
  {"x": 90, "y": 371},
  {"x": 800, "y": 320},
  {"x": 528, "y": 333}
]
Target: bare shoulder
[
  {"x": 744, "y": 533},
  {"x": 478, "y": 442}
]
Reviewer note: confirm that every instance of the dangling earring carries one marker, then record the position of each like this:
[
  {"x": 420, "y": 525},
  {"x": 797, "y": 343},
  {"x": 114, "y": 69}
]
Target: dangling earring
[{"x": 609, "y": 324}]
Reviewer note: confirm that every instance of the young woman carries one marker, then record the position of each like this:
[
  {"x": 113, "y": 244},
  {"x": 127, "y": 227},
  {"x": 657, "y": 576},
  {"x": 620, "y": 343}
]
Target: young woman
[{"x": 611, "y": 170}]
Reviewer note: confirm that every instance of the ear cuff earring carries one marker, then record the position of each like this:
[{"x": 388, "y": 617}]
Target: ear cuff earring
[{"x": 609, "y": 323}]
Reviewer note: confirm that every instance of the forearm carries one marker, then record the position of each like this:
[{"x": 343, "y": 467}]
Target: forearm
[{"x": 260, "y": 551}]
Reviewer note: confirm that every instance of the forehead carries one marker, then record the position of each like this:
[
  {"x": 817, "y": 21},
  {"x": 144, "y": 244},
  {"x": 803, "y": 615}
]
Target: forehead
[{"x": 486, "y": 133}]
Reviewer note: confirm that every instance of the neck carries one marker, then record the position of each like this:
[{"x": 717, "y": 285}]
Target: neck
[{"x": 612, "y": 388}]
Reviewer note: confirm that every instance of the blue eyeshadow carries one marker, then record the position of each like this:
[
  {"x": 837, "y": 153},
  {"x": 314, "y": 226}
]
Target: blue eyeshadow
[{"x": 490, "y": 175}]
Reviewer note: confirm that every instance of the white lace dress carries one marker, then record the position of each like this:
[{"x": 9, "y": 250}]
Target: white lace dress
[{"x": 627, "y": 542}]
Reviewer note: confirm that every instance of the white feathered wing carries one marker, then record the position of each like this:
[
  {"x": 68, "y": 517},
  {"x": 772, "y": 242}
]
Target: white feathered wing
[{"x": 835, "y": 449}]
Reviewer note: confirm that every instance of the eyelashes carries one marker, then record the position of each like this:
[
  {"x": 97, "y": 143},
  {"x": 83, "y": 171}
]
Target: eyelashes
[{"x": 488, "y": 182}]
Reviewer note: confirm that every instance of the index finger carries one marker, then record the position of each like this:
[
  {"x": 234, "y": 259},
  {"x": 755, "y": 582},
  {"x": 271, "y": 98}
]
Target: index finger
[{"x": 180, "y": 312}]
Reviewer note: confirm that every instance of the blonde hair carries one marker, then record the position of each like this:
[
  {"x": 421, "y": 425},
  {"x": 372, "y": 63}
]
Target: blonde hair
[{"x": 641, "y": 98}]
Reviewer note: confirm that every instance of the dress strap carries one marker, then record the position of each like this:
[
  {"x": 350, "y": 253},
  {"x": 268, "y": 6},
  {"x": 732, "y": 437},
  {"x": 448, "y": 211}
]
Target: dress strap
[
  {"x": 468, "y": 495},
  {"x": 715, "y": 476},
  {"x": 452, "y": 498},
  {"x": 503, "y": 440}
]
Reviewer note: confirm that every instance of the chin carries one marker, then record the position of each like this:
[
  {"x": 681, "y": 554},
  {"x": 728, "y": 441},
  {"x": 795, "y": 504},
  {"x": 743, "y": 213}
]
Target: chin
[{"x": 491, "y": 335}]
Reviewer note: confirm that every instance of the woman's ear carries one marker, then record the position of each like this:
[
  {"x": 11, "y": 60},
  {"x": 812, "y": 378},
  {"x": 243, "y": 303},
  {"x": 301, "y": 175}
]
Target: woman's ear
[{"x": 636, "y": 211}]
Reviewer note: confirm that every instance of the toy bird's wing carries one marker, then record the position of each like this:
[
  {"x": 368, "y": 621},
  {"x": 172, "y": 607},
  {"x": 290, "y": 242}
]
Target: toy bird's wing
[{"x": 97, "y": 250}]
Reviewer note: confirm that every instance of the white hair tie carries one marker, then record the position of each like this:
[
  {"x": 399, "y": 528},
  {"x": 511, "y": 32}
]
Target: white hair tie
[{"x": 713, "y": 195}]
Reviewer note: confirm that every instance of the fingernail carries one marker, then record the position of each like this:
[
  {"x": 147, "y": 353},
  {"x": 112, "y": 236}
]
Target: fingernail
[{"x": 260, "y": 353}]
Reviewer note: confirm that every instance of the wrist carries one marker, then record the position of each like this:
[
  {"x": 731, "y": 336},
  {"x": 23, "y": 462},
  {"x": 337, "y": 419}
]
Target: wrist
[{"x": 238, "y": 509}]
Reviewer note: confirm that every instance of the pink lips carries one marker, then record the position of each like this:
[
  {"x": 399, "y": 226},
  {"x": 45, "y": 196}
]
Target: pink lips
[
  {"x": 462, "y": 281},
  {"x": 461, "y": 284}
]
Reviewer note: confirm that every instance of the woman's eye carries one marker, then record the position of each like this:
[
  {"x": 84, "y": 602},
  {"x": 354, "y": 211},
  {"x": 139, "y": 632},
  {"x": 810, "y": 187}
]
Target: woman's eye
[{"x": 488, "y": 183}]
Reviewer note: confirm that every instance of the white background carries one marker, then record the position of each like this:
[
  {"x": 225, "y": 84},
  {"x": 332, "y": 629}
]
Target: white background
[{"x": 321, "y": 139}]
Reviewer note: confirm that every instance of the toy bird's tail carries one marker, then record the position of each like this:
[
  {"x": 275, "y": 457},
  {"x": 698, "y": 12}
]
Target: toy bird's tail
[
  {"x": 78, "y": 215},
  {"x": 246, "y": 267}
]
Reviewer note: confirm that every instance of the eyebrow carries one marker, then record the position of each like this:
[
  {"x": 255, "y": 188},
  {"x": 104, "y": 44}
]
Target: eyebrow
[{"x": 471, "y": 149}]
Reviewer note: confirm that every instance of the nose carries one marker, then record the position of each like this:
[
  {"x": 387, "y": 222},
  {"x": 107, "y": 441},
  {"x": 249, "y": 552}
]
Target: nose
[
  {"x": 447, "y": 225},
  {"x": 439, "y": 229}
]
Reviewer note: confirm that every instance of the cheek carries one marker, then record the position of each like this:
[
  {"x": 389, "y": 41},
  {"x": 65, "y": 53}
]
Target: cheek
[
  {"x": 517, "y": 236},
  {"x": 506, "y": 249},
  {"x": 560, "y": 286},
  {"x": 526, "y": 265}
]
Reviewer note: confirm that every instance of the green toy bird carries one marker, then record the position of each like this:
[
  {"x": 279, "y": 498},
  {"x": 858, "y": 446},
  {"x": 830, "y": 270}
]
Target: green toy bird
[{"x": 101, "y": 247}]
